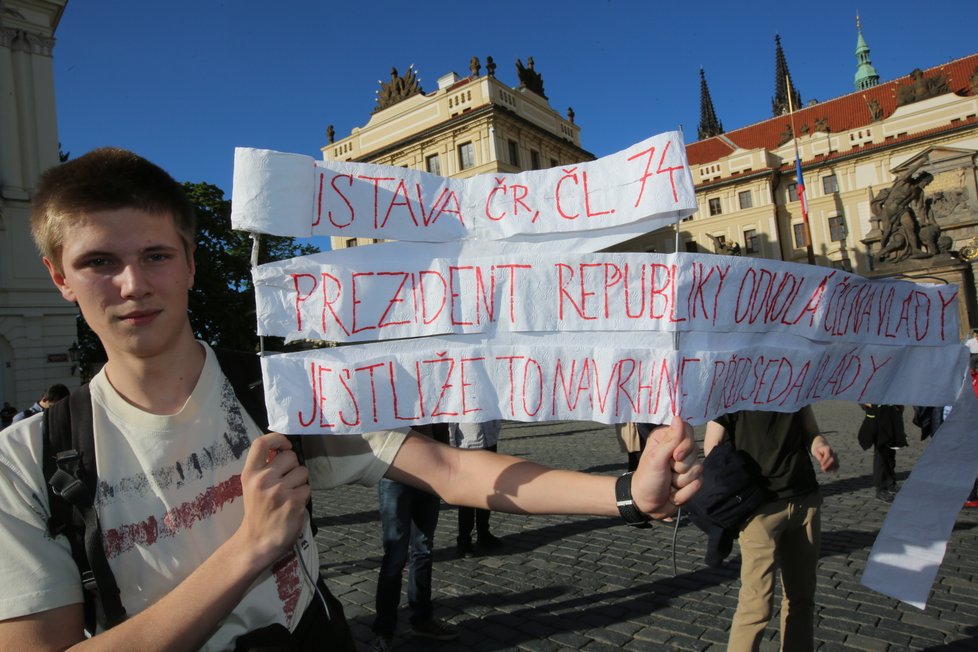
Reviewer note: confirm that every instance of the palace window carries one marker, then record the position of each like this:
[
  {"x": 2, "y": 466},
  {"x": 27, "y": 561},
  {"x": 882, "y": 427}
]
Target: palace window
[
  {"x": 746, "y": 201},
  {"x": 432, "y": 164},
  {"x": 752, "y": 242},
  {"x": 837, "y": 228},
  {"x": 792, "y": 191},
  {"x": 466, "y": 156},
  {"x": 351, "y": 242},
  {"x": 799, "y": 231},
  {"x": 830, "y": 184},
  {"x": 514, "y": 153},
  {"x": 534, "y": 159},
  {"x": 715, "y": 206}
]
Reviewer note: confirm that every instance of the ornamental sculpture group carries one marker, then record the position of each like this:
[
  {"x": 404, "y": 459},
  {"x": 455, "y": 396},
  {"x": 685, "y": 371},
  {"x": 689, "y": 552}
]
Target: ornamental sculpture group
[{"x": 907, "y": 225}]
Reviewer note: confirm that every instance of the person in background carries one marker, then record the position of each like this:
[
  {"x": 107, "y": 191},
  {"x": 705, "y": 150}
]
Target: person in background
[
  {"x": 408, "y": 517},
  {"x": 7, "y": 414},
  {"x": 631, "y": 442},
  {"x": 475, "y": 436},
  {"x": 783, "y": 533},
  {"x": 972, "y": 344},
  {"x": 882, "y": 429},
  {"x": 52, "y": 394}
]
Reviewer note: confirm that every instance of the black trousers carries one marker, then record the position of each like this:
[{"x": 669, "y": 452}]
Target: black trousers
[{"x": 884, "y": 468}]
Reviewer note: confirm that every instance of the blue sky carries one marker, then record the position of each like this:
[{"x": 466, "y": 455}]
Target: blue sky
[{"x": 184, "y": 82}]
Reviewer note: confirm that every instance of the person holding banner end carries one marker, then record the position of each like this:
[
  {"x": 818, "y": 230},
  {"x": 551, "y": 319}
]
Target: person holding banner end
[{"x": 203, "y": 516}]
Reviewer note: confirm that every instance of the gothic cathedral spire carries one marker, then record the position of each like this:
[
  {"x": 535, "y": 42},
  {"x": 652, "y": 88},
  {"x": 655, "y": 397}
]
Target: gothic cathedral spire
[
  {"x": 866, "y": 76},
  {"x": 710, "y": 125},
  {"x": 779, "y": 105}
]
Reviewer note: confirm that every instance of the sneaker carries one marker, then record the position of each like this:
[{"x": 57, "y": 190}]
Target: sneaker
[
  {"x": 463, "y": 548},
  {"x": 971, "y": 503},
  {"x": 382, "y": 644},
  {"x": 885, "y": 496},
  {"x": 490, "y": 540},
  {"x": 434, "y": 629}
]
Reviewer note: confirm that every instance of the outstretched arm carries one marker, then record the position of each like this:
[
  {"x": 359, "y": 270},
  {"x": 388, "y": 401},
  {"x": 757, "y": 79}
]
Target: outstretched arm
[
  {"x": 668, "y": 475},
  {"x": 275, "y": 491}
]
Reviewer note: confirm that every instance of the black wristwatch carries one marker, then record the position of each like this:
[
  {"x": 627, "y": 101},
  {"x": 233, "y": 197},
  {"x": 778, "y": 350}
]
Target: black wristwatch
[{"x": 626, "y": 506}]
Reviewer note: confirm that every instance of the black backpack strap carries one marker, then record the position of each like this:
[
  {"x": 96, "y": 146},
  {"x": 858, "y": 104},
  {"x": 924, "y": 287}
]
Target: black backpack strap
[
  {"x": 71, "y": 476},
  {"x": 243, "y": 371}
]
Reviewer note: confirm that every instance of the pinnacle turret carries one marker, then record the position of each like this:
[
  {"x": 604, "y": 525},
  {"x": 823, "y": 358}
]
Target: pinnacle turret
[
  {"x": 710, "y": 125},
  {"x": 866, "y": 76},
  {"x": 780, "y": 104}
]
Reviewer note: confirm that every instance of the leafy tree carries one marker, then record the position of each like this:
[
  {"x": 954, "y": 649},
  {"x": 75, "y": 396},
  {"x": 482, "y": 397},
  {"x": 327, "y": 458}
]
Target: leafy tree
[{"x": 222, "y": 301}]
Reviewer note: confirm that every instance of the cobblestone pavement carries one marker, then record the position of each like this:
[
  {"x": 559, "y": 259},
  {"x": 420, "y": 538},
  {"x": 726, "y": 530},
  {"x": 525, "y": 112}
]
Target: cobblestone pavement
[{"x": 579, "y": 583}]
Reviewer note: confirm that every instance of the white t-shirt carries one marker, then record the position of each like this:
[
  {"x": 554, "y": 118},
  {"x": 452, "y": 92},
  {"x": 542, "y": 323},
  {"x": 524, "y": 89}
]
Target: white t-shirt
[
  {"x": 169, "y": 494},
  {"x": 972, "y": 344}
]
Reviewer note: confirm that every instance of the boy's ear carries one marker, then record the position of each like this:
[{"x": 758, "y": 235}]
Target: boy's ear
[{"x": 59, "y": 281}]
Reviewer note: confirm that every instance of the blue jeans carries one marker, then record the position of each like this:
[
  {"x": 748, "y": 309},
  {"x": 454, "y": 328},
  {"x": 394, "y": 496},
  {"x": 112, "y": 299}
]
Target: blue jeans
[{"x": 408, "y": 517}]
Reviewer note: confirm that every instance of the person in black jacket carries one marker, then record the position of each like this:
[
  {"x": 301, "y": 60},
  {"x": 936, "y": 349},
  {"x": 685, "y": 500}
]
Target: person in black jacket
[{"x": 882, "y": 429}]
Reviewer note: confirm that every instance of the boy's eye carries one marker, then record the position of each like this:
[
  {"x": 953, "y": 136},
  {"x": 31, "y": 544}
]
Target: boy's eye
[{"x": 96, "y": 262}]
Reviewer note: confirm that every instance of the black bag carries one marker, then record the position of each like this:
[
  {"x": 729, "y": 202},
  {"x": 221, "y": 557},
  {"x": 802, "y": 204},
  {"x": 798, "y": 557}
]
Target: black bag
[
  {"x": 732, "y": 490},
  {"x": 316, "y": 631}
]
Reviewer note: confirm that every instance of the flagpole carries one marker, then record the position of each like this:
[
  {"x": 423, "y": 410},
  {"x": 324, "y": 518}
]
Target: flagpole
[{"x": 799, "y": 181}]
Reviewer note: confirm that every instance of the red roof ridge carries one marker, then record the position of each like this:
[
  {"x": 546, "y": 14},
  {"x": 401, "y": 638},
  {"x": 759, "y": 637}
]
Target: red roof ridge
[{"x": 841, "y": 114}]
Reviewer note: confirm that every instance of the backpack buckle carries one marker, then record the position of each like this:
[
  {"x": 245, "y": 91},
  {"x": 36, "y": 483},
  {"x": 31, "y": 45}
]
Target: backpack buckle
[
  {"x": 88, "y": 581},
  {"x": 69, "y": 487},
  {"x": 64, "y": 458}
]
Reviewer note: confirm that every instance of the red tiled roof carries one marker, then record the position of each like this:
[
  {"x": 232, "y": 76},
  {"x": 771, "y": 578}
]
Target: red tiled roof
[{"x": 842, "y": 113}]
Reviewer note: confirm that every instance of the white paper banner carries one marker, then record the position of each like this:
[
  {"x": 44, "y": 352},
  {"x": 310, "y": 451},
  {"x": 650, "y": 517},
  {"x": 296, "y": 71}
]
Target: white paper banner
[
  {"x": 613, "y": 378},
  {"x": 295, "y": 195},
  {"x": 406, "y": 290}
]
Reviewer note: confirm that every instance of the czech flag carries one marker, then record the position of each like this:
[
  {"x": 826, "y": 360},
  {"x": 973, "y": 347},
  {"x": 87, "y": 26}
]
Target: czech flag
[{"x": 801, "y": 188}]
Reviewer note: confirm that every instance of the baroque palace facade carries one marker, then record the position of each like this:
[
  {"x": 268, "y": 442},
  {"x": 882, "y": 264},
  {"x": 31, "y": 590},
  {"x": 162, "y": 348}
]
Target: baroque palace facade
[
  {"x": 37, "y": 326},
  {"x": 469, "y": 125},
  {"x": 852, "y": 148}
]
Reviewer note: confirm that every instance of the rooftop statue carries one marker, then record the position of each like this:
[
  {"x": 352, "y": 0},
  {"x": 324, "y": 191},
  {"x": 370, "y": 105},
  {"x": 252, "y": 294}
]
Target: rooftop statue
[
  {"x": 399, "y": 88},
  {"x": 529, "y": 78}
]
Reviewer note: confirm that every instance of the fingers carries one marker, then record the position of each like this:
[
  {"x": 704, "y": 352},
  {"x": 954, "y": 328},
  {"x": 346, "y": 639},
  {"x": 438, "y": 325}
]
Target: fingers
[
  {"x": 681, "y": 496},
  {"x": 264, "y": 449},
  {"x": 271, "y": 461}
]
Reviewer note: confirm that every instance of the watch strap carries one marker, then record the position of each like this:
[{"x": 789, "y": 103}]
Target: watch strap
[{"x": 626, "y": 506}]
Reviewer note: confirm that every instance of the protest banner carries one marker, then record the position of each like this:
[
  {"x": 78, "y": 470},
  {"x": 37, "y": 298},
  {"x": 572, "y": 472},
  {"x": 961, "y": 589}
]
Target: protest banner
[
  {"x": 616, "y": 378},
  {"x": 480, "y": 288},
  {"x": 403, "y": 290},
  {"x": 294, "y": 195}
]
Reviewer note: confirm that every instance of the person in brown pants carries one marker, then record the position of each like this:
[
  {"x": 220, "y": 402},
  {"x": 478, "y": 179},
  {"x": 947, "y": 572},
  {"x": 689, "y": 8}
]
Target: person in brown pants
[{"x": 783, "y": 532}]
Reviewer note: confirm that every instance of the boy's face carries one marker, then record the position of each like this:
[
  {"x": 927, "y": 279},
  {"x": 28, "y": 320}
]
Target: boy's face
[{"x": 129, "y": 273}]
